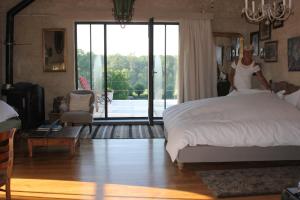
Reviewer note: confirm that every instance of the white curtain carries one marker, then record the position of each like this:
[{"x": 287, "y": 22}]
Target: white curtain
[{"x": 197, "y": 60}]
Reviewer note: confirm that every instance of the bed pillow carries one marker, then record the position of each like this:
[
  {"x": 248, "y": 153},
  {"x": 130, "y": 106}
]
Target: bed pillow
[
  {"x": 6, "y": 112},
  {"x": 247, "y": 92},
  {"x": 280, "y": 94},
  {"x": 80, "y": 102},
  {"x": 293, "y": 98}
]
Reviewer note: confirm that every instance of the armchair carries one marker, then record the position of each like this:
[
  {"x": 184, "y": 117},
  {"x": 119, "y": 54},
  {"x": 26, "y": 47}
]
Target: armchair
[{"x": 79, "y": 116}]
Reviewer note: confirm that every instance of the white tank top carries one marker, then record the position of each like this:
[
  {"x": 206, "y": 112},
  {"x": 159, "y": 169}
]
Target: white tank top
[{"x": 243, "y": 74}]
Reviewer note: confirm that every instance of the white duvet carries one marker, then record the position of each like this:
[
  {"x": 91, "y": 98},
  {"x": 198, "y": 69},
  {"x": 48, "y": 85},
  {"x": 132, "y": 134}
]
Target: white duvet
[
  {"x": 238, "y": 120},
  {"x": 6, "y": 111}
]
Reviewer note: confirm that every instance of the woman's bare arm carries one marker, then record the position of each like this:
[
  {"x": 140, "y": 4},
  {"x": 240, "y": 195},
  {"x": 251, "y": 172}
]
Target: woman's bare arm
[
  {"x": 231, "y": 78},
  {"x": 263, "y": 80}
]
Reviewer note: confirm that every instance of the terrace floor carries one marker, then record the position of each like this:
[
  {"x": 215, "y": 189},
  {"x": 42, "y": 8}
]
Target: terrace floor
[{"x": 133, "y": 108}]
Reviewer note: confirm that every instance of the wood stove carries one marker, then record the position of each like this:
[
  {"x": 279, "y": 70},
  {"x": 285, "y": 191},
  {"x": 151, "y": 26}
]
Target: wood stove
[{"x": 28, "y": 100}]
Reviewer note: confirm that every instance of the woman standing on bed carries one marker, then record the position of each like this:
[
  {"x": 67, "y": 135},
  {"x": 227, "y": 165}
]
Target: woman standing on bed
[{"x": 242, "y": 71}]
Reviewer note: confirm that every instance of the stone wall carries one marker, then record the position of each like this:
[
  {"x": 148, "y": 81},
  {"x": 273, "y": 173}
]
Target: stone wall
[
  {"x": 278, "y": 71},
  {"x": 28, "y": 63}
]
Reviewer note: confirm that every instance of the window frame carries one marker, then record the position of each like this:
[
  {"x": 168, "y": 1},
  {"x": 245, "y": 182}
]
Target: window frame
[{"x": 105, "y": 23}]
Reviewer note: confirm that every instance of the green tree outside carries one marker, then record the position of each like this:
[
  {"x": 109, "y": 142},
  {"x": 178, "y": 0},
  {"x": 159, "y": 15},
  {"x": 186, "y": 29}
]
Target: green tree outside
[
  {"x": 128, "y": 75},
  {"x": 139, "y": 88}
]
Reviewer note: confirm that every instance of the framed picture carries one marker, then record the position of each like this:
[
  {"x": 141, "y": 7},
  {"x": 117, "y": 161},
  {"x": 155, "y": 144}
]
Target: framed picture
[
  {"x": 264, "y": 31},
  {"x": 219, "y": 54},
  {"x": 294, "y": 54},
  {"x": 254, "y": 40},
  {"x": 271, "y": 51},
  {"x": 237, "y": 47},
  {"x": 233, "y": 53},
  {"x": 227, "y": 52},
  {"x": 54, "y": 50},
  {"x": 262, "y": 53},
  {"x": 278, "y": 23}
]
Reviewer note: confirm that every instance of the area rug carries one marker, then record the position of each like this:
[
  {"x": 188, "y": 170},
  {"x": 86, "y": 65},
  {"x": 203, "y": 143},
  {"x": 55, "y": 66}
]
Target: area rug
[
  {"x": 123, "y": 132},
  {"x": 248, "y": 182}
]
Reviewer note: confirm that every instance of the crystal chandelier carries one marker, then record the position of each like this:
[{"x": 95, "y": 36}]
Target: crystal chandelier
[{"x": 272, "y": 11}]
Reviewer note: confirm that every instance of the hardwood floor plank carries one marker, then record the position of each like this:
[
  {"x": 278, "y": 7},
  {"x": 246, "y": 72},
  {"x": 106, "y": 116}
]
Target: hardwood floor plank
[{"x": 113, "y": 169}]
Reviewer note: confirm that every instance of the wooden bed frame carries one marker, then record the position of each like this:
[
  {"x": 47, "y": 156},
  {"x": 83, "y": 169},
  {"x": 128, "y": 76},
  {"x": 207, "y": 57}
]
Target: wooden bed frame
[{"x": 206, "y": 153}]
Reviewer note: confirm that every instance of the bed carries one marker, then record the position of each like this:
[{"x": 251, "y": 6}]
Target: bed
[
  {"x": 8, "y": 117},
  {"x": 252, "y": 126},
  {"x": 10, "y": 124}
]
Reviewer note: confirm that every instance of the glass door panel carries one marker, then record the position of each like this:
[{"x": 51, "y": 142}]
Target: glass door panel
[
  {"x": 98, "y": 77},
  {"x": 83, "y": 56},
  {"x": 127, "y": 70},
  {"x": 172, "y": 48},
  {"x": 166, "y": 63},
  {"x": 159, "y": 70}
]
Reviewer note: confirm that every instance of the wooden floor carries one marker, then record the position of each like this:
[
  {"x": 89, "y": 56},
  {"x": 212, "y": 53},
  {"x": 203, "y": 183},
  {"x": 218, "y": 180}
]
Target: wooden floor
[{"x": 112, "y": 169}]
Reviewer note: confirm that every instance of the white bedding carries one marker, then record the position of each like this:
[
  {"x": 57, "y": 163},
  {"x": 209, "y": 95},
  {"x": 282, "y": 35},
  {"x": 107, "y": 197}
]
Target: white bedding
[
  {"x": 6, "y": 111},
  {"x": 253, "y": 118}
]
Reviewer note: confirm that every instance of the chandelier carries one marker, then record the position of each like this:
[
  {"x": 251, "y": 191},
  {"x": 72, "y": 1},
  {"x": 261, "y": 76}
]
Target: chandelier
[
  {"x": 272, "y": 11},
  {"x": 123, "y": 10}
]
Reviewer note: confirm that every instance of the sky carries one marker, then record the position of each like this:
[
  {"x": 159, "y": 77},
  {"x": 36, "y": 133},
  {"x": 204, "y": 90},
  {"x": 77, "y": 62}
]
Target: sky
[{"x": 131, "y": 40}]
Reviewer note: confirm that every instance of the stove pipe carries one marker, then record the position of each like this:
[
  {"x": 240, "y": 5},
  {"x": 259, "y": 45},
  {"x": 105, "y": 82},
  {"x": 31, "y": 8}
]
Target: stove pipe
[{"x": 9, "y": 51}]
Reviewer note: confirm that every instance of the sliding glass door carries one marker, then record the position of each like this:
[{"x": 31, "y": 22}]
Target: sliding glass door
[
  {"x": 115, "y": 62},
  {"x": 90, "y": 62},
  {"x": 127, "y": 70},
  {"x": 165, "y": 67}
]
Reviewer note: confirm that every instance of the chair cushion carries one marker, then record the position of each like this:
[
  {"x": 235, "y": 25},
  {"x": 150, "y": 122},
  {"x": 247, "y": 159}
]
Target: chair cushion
[
  {"x": 77, "y": 117},
  {"x": 79, "y": 102},
  {"x": 84, "y": 83}
]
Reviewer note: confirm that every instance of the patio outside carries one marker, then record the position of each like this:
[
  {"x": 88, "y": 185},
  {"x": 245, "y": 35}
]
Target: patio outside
[{"x": 133, "y": 108}]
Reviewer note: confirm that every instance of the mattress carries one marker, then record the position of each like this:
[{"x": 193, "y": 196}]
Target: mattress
[{"x": 244, "y": 119}]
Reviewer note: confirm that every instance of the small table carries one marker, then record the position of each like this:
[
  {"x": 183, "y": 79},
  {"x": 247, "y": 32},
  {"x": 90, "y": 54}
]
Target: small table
[{"x": 68, "y": 136}]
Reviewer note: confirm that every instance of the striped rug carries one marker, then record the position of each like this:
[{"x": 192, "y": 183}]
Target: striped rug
[{"x": 123, "y": 132}]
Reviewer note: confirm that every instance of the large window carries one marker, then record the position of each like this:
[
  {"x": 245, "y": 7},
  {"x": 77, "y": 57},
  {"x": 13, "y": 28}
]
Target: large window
[{"x": 113, "y": 61}]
